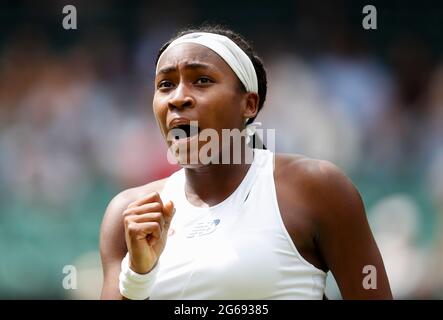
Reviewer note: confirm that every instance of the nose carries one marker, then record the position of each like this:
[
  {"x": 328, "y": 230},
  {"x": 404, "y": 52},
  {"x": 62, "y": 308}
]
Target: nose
[{"x": 181, "y": 98}]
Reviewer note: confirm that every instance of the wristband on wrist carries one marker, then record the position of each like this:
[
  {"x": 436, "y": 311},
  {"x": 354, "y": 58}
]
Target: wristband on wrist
[{"x": 133, "y": 285}]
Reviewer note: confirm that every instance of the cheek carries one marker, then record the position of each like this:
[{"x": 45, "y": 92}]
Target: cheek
[
  {"x": 223, "y": 105},
  {"x": 157, "y": 106},
  {"x": 228, "y": 113},
  {"x": 160, "y": 112}
]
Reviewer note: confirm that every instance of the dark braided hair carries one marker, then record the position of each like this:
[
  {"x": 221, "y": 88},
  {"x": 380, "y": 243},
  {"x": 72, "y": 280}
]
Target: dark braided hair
[{"x": 243, "y": 44}]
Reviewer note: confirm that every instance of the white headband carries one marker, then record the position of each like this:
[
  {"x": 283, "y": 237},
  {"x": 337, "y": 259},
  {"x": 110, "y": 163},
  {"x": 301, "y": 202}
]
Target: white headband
[{"x": 235, "y": 57}]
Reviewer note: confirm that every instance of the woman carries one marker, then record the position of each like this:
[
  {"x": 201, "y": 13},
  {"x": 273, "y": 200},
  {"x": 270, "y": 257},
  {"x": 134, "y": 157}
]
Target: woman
[{"x": 270, "y": 228}]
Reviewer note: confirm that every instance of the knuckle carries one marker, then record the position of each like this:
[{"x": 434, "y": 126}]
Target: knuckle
[
  {"x": 157, "y": 216},
  {"x": 126, "y": 213},
  {"x": 127, "y": 219},
  {"x": 157, "y": 206},
  {"x": 131, "y": 205},
  {"x": 156, "y": 195},
  {"x": 132, "y": 229}
]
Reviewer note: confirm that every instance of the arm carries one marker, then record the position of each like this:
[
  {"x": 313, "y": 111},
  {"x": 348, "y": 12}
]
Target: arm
[
  {"x": 113, "y": 245},
  {"x": 344, "y": 237},
  {"x": 130, "y": 215}
]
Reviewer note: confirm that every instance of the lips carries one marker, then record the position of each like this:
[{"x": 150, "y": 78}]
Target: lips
[{"x": 182, "y": 128}]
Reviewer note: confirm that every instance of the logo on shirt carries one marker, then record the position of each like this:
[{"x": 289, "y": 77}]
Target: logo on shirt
[{"x": 203, "y": 228}]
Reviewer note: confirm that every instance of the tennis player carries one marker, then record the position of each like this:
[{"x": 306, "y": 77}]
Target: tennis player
[{"x": 268, "y": 228}]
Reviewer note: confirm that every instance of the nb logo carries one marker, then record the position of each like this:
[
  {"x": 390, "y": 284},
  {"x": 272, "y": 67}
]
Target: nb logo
[{"x": 203, "y": 228}]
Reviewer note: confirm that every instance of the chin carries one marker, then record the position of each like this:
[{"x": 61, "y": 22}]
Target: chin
[
  {"x": 192, "y": 166},
  {"x": 195, "y": 160},
  {"x": 195, "y": 155}
]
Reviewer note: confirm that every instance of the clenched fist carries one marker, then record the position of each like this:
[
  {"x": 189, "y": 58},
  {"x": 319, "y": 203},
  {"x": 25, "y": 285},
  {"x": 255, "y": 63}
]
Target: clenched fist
[{"x": 146, "y": 230}]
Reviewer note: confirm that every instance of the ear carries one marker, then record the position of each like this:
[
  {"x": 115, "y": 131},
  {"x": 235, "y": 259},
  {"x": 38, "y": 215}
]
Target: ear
[{"x": 251, "y": 105}]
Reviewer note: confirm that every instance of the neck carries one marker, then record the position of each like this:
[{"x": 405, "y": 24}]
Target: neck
[{"x": 211, "y": 184}]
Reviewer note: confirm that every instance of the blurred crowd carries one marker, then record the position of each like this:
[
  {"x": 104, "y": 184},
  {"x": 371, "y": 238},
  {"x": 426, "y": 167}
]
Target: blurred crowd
[{"x": 76, "y": 127}]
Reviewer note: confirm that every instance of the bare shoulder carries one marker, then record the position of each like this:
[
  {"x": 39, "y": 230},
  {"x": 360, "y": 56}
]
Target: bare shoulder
[
  {"x": 316, "y": 171},
  {"x": 318, "y": 182},
  {"x": 124, "y": 198}
]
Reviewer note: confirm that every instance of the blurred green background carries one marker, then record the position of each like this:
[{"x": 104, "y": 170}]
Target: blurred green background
[{"x": 76, "y": 125}]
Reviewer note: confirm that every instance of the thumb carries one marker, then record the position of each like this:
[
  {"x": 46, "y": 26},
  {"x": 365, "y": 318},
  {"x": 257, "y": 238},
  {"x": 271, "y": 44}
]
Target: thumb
[{"x": 169, "y": 211}]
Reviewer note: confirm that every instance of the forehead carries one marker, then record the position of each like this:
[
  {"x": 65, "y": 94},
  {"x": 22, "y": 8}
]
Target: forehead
[{"x": 186, "y": 53}]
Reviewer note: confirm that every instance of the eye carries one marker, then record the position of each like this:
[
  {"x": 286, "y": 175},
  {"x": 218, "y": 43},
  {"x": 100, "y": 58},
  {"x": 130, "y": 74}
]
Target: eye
[
  {"x": 165, "y": 84},
  {"x": 204, "y": 80}
]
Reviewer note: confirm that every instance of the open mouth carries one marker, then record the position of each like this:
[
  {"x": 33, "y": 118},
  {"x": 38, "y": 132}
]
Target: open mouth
[{"x": 184, "y": 131}]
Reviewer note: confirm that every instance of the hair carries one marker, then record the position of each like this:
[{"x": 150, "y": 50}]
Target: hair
[{"x": 244, "y": 45}]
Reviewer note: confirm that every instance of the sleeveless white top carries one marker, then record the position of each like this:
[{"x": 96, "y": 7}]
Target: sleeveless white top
[{"x": 237, "y": 249}]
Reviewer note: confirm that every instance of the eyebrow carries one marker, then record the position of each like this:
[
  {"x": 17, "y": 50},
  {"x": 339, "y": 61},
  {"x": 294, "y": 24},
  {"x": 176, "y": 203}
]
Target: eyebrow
[{"x": 191, "y": 65}]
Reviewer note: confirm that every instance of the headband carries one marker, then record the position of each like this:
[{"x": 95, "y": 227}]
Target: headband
[{"x": 235, "y": 57}]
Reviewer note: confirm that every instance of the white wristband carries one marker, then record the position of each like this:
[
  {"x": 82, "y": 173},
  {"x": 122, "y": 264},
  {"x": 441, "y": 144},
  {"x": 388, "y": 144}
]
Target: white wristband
[{"x": 135, "y": 286}]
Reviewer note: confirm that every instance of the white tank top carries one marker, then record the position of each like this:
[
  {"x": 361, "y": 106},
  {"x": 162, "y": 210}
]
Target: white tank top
[{"x": 237, "y": 249}]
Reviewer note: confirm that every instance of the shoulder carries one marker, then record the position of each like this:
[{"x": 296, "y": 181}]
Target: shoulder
[
  {"x": 112, "y": 238},
  {"x": 315, "y": 173},
  {"x": 320, "y": 184},
  {"x": 124, "y": 198}
]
